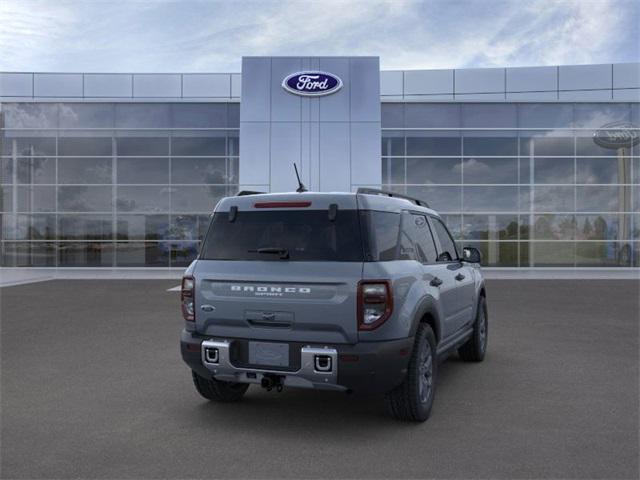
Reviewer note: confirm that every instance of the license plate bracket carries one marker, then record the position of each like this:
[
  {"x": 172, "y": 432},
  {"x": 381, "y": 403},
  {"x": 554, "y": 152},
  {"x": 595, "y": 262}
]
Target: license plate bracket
[{"x": 269, "y": 354}]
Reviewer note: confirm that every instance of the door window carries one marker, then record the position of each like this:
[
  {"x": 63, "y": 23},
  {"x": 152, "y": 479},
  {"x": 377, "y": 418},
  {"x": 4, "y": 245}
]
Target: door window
[{"x": 448, "y": 250}]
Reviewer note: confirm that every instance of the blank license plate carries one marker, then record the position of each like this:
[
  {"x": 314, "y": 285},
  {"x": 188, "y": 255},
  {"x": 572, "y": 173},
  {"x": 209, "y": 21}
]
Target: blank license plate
[{"x": 272, "y": 354}]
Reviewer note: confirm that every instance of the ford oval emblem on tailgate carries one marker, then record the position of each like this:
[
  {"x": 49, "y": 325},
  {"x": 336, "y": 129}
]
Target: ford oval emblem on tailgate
[{"x": 312, "y": 83}]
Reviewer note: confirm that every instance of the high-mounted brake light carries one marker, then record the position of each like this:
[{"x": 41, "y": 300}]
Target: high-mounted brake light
[
  {"x": 281, "y": 204},
  {"x": 375, "y": 303},
  {"x": 187, "y": 298}
]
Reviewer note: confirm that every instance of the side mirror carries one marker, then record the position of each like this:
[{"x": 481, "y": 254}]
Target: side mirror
[{"x": 471, "y": 255}]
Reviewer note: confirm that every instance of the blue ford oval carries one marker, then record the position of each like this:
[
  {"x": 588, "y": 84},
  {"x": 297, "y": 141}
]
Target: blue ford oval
[{"x": 312, "y": 83}]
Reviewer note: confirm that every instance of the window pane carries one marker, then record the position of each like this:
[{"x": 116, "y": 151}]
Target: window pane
[
  {"x": 545, "y": 115},
  {"x": 181, "y": 254},
  {"x": 597, "y": 115},
  {"x": 30, "y": 115},
  {"x": 142, "y": 115},
  {"x": 551, "y": 254},
  {"x": 393, "y": 171},
  {"x": 392, "y": 144},
  {"x": 84, "y": 199},
  {"x": 36, "y": 170},
  {"x": 29, "y": 146},
  {"x": 84, "y": 146},
  {"x": 423, "y": 145},
  {"x": 554, "y": 227},
  {"x": 553, "y": 199},
  {"x": 602, "y": 198},
  {"x": 84, "y": 170},
  {"x": 142, "y": 254},
  {"x": 199, "y": 170},
  {"x": 539, "y": 144},
  {"x": 604, "y": 227},
  {"x": 490, "y": 170},
  {"x": 199, "y": 115},
  {"x": 79, "y": 115},
  {"x": 490, "y": 227},
  {"x": 553, "y": 170},
  {"x": 85, "y": 254},
  {"x": 392, "y": 115},
  {"x": 497, "y": 254},
  {"x": 489, "y": 115},
  {"x": 142, "y": 146},
  {"x": 603, "y": 170},
  {"x": 85, "y": 227},
  {"x": 143, "y": 227},
  {"x": 434, "y": 170},
  {"x": 143, "y": 170},
  {"x": 490, "y": 146},
  {"x": 427, "y": 115},
  {"x": 586, "y": 146},
  {"x": 490, "y": 199},
  {"x": 603, "y": 254},
  {"x": 196, "y": 199},
  {"x": 188, "y": 227},
  {"x": 37, "y": 254},
  {"x": 442, "y": 199},
  {"x": 6, "y": 170},
  {"x": 36, "y": 199},
  {"x": 28, "y": 227},
  {"x": 143, "y": 199},
  {"x": 198, "y": 146},
  {"x": 6, "y": 199}
]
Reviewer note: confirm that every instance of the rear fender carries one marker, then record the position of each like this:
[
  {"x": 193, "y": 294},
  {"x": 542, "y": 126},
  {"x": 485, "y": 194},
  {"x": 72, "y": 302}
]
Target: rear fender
[{"x": 428, "y": 309}]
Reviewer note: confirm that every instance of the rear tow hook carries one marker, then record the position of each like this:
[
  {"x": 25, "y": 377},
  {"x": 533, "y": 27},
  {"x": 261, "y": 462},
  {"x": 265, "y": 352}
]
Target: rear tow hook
[{"x": 269, "y": 382}]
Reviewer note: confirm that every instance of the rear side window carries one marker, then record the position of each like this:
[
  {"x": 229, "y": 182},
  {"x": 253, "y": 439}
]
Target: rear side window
[
  {"x": 381, "y": 231},
  {"x": 306, "y": 235},
  {"x": 448, "y": 247}
]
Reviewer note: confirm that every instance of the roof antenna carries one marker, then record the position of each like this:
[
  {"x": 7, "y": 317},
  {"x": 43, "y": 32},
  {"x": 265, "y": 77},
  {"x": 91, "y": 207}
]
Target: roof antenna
[{"x": 301, "y": 188}]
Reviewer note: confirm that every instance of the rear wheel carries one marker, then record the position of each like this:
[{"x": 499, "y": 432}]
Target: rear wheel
[
  {"x": 413, "y": 399},
  {"x": 476, "y": 347},
  {"x": 218, "y": 391}
]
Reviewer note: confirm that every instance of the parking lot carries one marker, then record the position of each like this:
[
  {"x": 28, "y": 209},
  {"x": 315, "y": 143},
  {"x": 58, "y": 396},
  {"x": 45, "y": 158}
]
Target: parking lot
[{"x": 93, "y": 386}]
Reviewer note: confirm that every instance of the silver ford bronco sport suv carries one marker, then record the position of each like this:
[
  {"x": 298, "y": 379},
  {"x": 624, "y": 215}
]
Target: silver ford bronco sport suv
[{"x": 360, "y": 292}]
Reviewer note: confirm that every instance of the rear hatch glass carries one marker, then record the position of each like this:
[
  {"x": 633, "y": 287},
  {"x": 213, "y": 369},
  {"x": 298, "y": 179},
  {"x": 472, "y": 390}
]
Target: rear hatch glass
[{"x": 291, "y": 235}]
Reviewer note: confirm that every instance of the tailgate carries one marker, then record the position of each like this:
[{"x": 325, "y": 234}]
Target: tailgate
[{"x": 266, "y": 300}]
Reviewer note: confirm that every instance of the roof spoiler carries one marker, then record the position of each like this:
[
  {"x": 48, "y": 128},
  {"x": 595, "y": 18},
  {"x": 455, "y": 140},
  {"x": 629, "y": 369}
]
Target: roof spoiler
[
  {"x": 243, "y": 193},
  {"x": 375, "y": 191}
]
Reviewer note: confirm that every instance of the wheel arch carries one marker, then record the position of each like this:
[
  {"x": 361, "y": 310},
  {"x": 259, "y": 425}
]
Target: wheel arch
[{"x": 428, "y": 313}]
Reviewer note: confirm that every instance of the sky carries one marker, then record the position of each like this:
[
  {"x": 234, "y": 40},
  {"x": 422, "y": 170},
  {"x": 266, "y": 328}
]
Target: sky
[{"x": 212, "y": 36}]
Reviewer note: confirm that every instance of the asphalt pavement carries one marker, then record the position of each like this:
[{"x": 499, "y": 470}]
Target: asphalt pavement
[{"x": 93, "y": 386}]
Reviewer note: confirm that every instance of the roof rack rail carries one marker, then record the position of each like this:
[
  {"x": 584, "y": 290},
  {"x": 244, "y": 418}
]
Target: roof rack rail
[
  {"x": 375, "y": 191},
  {"x": 242, "y": 193}
]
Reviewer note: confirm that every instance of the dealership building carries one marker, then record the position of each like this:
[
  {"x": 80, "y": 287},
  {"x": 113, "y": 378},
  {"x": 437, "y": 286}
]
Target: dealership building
[{"x": 537, "y": 166}]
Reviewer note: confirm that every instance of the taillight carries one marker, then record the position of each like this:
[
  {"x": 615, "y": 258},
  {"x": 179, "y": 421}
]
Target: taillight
[
  {"x": 375, "y": 303},
  {"x": 187, "y": 298}
]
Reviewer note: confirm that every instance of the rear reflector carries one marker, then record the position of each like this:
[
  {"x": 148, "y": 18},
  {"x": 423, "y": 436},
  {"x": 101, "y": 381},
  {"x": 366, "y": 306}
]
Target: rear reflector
[{"x": 282, "y": 204}]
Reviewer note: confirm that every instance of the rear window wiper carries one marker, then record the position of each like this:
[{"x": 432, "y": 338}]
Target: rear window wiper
[{"x": 283, "y": 252}]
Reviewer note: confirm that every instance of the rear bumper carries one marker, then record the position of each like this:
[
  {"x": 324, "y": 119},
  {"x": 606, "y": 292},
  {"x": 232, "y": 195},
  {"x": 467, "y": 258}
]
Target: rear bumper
[{"x": 366, "y": 367}]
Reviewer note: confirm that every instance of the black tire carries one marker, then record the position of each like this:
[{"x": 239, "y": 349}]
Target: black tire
[
  {"x": 413, "y": 399},
  {"x": 476, "y": 347},
  {"x": 218, "y": 391}
]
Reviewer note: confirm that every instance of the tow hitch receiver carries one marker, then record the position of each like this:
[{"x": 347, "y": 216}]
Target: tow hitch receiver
[{"x": 269, "y": 382}]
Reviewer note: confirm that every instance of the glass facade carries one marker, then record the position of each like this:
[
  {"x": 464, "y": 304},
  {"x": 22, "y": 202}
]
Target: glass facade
[
  {"x": 133, "y": 184},
  {"x": 112, "y": 184},
  {"x": 525, "y": 183}
]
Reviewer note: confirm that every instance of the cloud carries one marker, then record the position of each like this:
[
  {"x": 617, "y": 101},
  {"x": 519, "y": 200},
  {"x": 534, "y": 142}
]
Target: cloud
[{"x": 196, "y": 35}]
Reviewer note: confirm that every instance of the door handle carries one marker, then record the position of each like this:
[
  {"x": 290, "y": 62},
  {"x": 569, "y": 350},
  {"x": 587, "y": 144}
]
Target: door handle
[
  {"x": 436, "y": 282},
  {"x": 459, "y": 277}
]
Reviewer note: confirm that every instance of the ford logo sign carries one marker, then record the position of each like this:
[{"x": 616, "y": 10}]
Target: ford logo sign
[
  {"x": 617, "y": 135},
  {"x": 312, "y": 83}
]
